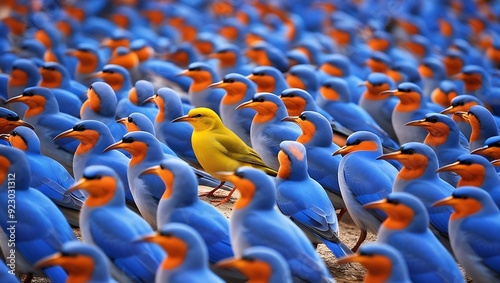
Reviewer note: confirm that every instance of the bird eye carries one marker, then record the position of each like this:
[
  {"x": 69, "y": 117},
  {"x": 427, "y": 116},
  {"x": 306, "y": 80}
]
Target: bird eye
[
  {"x": 376, "y": 84},
  {"x": 408, "y": 151},
  {"x": 14, "y": 134},
  {"x": 461, "y": 197},
  {"x": 91, "y": 87},
  {"x": 11, "y": 117},
  {"x": 128, "y": 140},
  {"x": 460, "y": 103},
  {"x": 195, "y": 69},
  {"x": 28, "y": 93},
  {"x": 79, "y": 128},
  {"x": 66, "y": 254},
  {"x": 50, "y": 68},
  {"x": 92, "y": 177},
  {"x": 393, "y": 201},
  {"x": 466, "y": 162},
  {"x": 83, "y": 50},
  {"x": 404, "y": 90},
  {"x": 130, "y": 119},
  {"x": 431, "y": 119},
  {"x": 356, "y": 142},
  {"x": 247, "y": 258},
  {"x": 258, "y": 74},
  {"x": 228, "y": 81},
  {"x": 303, "y": 117},
  {"x": 239, "y": 174},
  {"x": 108, "y": 71},
  {"x": 260, "y": 99},
  {"x": 327, "y": 85}
]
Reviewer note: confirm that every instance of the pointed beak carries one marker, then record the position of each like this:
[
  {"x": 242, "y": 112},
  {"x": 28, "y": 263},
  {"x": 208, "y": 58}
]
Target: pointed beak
[
  {"x": 24, "y": 123},
  {"x": 123, "y": 121},
  {"x": 391, "y": 92},
  {"x": 479, "y": 150},
  {"x": 116, "y": 145},
  {"x": 495, "y": 162},
  {"x": 232, "y": 263},
  {"x": 388, "y": 156},
  {"x": 362, "y": 84},
  {"x": 152, "y": 238},
  {"x": 448, "y": 110},
  {"x": 462, "y": 115},
  {"x": 217, "y": 85},
  {"x": 184, "y": 118},
  {"x": 65, "y": 134},
  {"x": 80, "y": 185},
  {"x": 248, "y": 104},
  {"x": 55, "y": 259},
  {"x": 152, "y": 170},
  {"x": 19, "y": 98},
  {"x": 291, "y": 119},
  {"x": 183, "y": 73},
  {"x": 446, "y": 201},
  {"x": 150, "y": 99},
  {"x": 380, "y": 204},
  {"x": 449, "y": 168},
  {"x": 417, "y": 123},
  {"x": 341, "y": 150},
  {"x": 4, "y": 137}
]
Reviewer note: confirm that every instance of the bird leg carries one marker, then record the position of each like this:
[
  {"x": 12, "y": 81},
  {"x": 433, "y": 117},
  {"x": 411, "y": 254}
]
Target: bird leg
[
  {"x": 211, "y": 193},
  {"x": 361, "y": 239},
  {"x": 227, "y": 198},
  {"x": 341, "y": 213}
]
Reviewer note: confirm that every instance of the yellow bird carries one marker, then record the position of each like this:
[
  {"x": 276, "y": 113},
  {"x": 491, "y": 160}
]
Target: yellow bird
[{"x": 217, "y": 148}]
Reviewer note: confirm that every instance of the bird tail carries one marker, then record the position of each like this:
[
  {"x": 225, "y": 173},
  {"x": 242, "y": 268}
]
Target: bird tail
[{"x": 339, "y": 249}]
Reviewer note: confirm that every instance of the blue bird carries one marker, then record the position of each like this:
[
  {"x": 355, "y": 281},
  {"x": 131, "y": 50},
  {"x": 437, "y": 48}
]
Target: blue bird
[
  {"x": 444, "y": 93},
  {"x": 24, "y": 74},
  {"x": 379, "y": 104},
  {"x": 101, "y": 106},
  {"x": 474, "y": 225},
  {"x": 478, "y": 83},
  {"x": 304, "y": 200},
  {"x": 138, "y": 101},
  {"x": 261, "y": 264},
  {"x": 297, "y": 101},
  {"x": 445, "y": 139},
  {"x": 125, "y": 57},
  {"x": 93, "y": 137},
  {"x": 177, "y": 136},
  {"x": 264, "y": 54},
  {"x": 433, "y": 73},
  {"x": 337, "y": 65},
  {"x": 56, "y": 76},
  {"x": 462, "y": 103},
  {"x": 106, "y": 222},
  {"x": 256, "y": 222},
  {"x": 335, "y": 99},
  {"x": 419, "y": 178},
  {"x": 80, "y": 260},
  {"x": 363, "y": 179},
  {"x": 267, "y": 130},
  {"x": 231, "y": 60},
  {"x": 200, "y": 95},
  {"x": 303, "y": 76},
  {"x": 146, "y": 189},
  {"x": 268, "y": 79},
  {"x": 477, "y": 171},
  {"x": 382, "y": 262},
  {"x": 412, "y": 106},
  {"x": 180, "y": 204},
  {"x": 406, "y": 227},
  {"x": 43, "y": 114},
  {"x": 482, "y": 123},
  {"x": 490, "y": 150},
  {"x": 47, "y": 175},
  {"x": 9, "y": 120},
  {"x": 40, "y": 228},
  {"x": 89, "y": 62},
  {"x": 322, "y": 166},
  {"x": 238, "y": 89},
  {"x": 187, "y": 256},
  {"x": 118, "y": 78}
]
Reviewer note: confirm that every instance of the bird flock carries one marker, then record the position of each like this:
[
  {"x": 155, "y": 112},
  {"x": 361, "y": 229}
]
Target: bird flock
[{"x": 114, "y": 112}]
